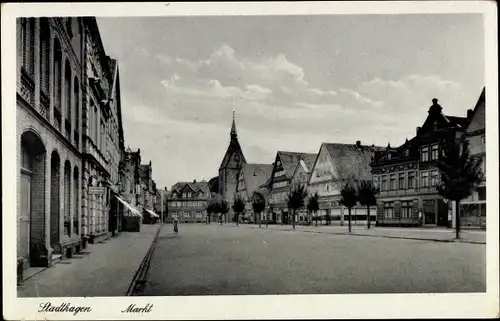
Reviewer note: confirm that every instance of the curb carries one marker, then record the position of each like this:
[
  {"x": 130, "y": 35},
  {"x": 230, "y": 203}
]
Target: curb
[
  {"x": 385, "y": 236},
  {"x": 140, "y": 276}
]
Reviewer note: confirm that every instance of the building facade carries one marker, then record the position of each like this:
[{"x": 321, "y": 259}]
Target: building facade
[
  {"x": 230, "y": 168},
  {"x": 407, "y": 176},
  {"x": 49, "y": 138},
  {"x": 147, "y": 189},
  {"x": 98, "y": 153},
  {"x": 301, "y": 176},
  {"x": 280, "y": 183},
  {"x": 188, "y": 202},
  {"x": 335, "y": 164},
  {"x": 473, "y": 208},
  {"x": 250, "y": 178}
]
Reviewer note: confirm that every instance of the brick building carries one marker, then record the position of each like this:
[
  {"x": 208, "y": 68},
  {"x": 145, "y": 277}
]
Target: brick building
[
  {"x": 407, "y": 175},
  {"x": 49, "y": 138},
  {"x": 188, "y": 201}
]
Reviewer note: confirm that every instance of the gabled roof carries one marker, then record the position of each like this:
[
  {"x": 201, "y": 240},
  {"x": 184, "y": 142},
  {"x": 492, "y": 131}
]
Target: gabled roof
[
  {"x": 289, "y": 161},
  {"x": 477, "y": 119},
  {"x": 351, "y": 159},
  {"x": 195, "y": 187},
  {"x": 255, "y": 175},
  {"x": 234, "y": 147}
]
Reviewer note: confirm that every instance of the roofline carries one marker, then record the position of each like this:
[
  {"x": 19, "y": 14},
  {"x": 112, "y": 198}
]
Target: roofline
[{"x": 482, "y": 97}]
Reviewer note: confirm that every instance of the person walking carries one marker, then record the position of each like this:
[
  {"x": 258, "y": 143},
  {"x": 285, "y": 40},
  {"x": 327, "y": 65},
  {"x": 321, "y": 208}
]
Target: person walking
[{"x": 176, "y": 225}]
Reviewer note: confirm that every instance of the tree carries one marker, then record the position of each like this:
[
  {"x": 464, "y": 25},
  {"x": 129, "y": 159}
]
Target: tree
[
  {"x": 224, "y": 209},
  {"x": 461, "y": 174},
  {"x": 258, "y": 204},
  {"x": 238, "y": 206},
  {"x": 212, "y": 208},
  {"x": 313, "y": 205},
  {"x": 349, "y": 197},
  {"x": 296, "y": 199},
  {"x": 366, "y": 196}
]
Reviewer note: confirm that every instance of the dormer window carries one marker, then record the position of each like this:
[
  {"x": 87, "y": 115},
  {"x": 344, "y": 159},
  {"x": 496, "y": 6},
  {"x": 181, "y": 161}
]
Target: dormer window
[
  {"x": 389, "y": 156},
  {"x": 406, "y": 152}
]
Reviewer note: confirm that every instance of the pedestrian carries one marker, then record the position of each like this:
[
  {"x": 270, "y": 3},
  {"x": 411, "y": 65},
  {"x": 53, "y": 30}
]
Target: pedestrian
[
  {"x": 420, "y": 218},
  {"x": 176, "y": 223}
]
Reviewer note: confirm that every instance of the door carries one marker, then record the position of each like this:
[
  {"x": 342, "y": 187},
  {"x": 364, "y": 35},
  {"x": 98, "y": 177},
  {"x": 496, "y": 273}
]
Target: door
[{"x": 24, "y": 219}]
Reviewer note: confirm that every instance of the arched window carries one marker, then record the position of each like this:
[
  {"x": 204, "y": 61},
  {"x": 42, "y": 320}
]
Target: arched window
[
  {"x": 68, "y": 92},
  {"x": 44, "y": 56},
  {"x": 76, "y": 109},
  {"x": 67, "y": 198},
  {"x": 76, "y": 188},
  {"x": 57, "y": 80},
  {"x": 28, "y": 45}
]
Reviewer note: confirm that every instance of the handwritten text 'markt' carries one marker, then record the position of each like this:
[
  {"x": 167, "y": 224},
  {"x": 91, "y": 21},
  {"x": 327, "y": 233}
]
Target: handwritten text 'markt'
[{"x": 132, "y": 309}]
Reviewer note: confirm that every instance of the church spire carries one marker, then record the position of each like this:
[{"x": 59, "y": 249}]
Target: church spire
[{"x": 233, "y": 129}]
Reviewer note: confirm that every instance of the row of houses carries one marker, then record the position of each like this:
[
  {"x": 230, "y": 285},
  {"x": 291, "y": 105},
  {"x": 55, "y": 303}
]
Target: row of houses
[
  {"x": 406, "y": 176},
  {"x": 76, "y": 183}
]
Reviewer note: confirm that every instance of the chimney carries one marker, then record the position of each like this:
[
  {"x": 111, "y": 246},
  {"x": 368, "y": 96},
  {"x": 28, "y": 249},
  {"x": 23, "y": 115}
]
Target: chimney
[
  {"x": 358, "y": 143},
  {"x": 418, "y": 129},
  {"x": 194, "y": 181},
  {"x": 469, "y": 114}
]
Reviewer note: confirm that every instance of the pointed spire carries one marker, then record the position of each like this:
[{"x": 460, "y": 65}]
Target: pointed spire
[{"x": 233, "y": 129}]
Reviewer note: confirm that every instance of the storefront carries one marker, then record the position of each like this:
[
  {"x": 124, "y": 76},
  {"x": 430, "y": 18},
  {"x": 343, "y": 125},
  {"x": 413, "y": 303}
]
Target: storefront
[{"x": 132, "y": 218}]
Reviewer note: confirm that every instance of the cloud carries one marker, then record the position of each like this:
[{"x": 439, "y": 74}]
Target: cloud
[{"x": 276, "y": 107}]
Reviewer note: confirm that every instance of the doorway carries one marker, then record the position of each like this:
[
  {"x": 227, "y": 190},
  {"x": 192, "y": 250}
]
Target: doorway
[{"x": 31, "y": 241}]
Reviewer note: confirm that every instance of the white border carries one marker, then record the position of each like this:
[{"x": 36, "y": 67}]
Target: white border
[{"x": 269, "y": 306}]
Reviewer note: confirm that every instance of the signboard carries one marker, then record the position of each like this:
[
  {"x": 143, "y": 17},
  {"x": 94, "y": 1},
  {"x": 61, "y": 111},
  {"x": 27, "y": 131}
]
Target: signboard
[{"x": 96, "y": 190}]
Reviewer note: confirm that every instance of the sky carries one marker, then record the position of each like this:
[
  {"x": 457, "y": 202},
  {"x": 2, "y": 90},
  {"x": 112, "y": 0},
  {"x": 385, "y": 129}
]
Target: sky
[{"x": 292, "y": 81}]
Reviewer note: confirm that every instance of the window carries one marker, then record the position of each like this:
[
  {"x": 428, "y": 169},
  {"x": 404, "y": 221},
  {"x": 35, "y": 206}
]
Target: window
[
  {"x": 388, "y": 210},
  {"x": 184, "y": 195},
  {"x": 384, "y": 182},
  {"x": 411, "y": 179},
  {"x": 406, "y": 152},
  {"x": 389, "y": 156},
  {"x": 424, "y": 154},
  {"x": 401, "y": 180},
  {"x": 406, "y": 209},
  {"x": 434, "y": 178},
  {"x": 424, "y": 179},
  {"x": 376, "y": 181},
  {"x": 393, "y": 181},
  {"x": 434, "y": 152}
]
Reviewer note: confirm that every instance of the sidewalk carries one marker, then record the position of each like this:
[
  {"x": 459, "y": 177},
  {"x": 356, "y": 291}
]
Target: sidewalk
[
  {"x": 427, "y": 234},
  {"x": 102, "y": 269}
]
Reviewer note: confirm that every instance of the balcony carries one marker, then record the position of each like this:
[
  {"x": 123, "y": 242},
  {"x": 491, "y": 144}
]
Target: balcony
[{"x": 27, "y": 90}]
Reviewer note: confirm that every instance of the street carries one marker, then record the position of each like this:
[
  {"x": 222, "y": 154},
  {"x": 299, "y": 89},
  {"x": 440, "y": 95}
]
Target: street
[{"x": 224, "y": 260}]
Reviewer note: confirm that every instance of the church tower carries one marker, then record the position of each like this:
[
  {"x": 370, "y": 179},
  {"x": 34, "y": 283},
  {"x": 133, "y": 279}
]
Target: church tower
[{"x": 230, "y": 167}]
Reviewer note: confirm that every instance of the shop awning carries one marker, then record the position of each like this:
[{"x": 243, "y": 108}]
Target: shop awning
[
  {"x": 132, "y": 210},
  {"x": 153, "y": 214}
]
